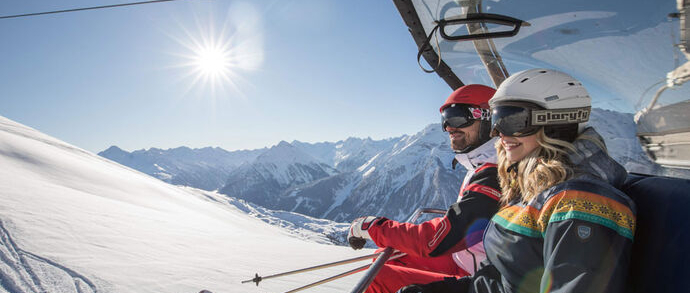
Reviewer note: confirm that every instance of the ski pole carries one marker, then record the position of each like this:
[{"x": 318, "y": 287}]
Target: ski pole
[
  {"x": 258, "y": 278},
  {"x": 373, "y": 271},
  {"x": 345, "y": 274},
  {"x": 326, "y": 280}
]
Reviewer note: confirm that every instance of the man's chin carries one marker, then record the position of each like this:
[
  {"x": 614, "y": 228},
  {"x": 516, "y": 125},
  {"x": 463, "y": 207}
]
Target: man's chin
[{"x": 459, "y": 147}]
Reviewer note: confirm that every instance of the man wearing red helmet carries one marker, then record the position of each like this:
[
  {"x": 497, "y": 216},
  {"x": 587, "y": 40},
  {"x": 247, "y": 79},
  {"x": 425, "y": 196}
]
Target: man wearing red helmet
[{"x": 448, "y": 246}]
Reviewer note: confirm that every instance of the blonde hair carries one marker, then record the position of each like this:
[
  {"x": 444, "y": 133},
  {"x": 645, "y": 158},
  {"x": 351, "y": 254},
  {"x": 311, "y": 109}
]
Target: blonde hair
[{"x": 546, "y": 166}]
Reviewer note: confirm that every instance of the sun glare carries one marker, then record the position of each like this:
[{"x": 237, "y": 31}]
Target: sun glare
[
  {"x": 219, "y": 53},
  {"x": 212, "y": 61}
]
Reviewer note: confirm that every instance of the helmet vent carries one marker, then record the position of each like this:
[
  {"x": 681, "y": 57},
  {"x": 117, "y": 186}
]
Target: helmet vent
[
  {"x": 571, "y": 83},
  {"x": 524, "y": 80},
  {"x": 543, "y": 71}
]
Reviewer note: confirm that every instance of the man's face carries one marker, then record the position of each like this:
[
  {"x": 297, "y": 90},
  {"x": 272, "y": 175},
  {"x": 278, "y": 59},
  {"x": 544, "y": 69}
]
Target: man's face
[{"x": 461, "y": 138}]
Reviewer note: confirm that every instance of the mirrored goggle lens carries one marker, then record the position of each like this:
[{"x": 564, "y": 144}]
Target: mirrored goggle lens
[
  {"x": 511, "y": 121},
  {"x": 456, "y": 117}
]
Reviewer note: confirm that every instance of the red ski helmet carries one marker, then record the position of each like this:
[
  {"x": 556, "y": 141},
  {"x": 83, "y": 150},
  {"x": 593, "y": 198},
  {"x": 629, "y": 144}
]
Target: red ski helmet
[
  {"x": 468, "y": 97},
  {"x": 473, "y": 94}
]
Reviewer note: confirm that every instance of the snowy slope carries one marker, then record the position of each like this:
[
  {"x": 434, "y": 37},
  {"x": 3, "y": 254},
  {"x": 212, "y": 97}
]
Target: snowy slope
[
  {"x": 72, "y": 221},
  {"x": 299, "y": 225}
]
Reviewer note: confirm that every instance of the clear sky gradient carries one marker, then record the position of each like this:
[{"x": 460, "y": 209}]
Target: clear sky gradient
[{"x": 308, "y": 70}]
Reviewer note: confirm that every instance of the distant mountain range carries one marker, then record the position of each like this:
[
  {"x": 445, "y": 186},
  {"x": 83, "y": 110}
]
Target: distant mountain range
[
  {"x": 349, "y": 178},
  {"x": 205, "y": 168}
]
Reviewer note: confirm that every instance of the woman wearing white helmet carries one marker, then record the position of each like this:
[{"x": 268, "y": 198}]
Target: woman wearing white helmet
[{"x": 563, "y": 225}]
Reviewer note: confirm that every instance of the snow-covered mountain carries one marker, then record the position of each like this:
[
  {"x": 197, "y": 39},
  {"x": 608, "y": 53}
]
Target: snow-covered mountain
[
  {"x": 274, "y": 171},
  {"x": 72, "y": 221},
  {"x": 393, "y": 177},
  {"x": 206, "y": 168},
  {"x": 209, "y": 168},
  {"x": 416, "y": 172},
  {"x": 346, "y": 155}
]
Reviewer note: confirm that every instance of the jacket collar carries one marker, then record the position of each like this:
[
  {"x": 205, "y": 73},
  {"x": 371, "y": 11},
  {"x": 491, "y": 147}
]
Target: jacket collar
[
  {"x": 485, "y": 153},
  {"x": 590, "y": 159}
]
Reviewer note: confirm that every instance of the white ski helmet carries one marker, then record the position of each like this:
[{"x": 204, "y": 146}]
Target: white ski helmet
[
  {"x": 560, "y": 103},
  {"x": 547, "y": 88}
]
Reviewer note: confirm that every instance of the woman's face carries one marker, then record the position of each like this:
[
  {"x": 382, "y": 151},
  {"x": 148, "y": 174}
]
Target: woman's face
[{"x": 518, "y": 147}]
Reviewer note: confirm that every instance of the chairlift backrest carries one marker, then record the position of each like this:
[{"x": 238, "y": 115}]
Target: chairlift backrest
[{"x": 660, "y": 256}]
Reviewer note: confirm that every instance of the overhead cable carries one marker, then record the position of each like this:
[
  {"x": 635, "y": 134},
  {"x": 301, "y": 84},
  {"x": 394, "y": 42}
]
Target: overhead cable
[{"x": 84, "y": 8}]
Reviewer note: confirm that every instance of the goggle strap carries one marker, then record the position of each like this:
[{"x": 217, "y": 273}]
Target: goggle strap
[
  {"x": 560, "y": 116},
  {"x": 480, "y": 113}
]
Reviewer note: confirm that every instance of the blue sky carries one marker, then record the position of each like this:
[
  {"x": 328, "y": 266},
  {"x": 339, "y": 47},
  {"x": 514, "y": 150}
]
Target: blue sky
[{"x": 307, "y": 70}]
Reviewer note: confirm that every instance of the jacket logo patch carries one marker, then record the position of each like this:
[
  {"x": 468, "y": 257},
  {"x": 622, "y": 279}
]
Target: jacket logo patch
[{"x": 584, "y": 232}]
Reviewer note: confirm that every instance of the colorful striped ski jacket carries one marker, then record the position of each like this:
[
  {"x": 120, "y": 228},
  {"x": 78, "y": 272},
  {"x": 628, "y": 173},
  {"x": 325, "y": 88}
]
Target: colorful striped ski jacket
[{"x": 573, "y": 237}]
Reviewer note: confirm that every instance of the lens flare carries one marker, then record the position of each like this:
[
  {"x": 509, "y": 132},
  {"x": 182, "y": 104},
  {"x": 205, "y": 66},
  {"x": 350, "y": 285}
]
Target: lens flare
[{"x": 218, "y": 53}]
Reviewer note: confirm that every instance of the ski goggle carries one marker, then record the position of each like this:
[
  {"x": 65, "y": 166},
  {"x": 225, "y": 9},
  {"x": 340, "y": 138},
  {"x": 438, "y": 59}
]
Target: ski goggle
[
  {"x": 523, "y": 121},
  {"x": 512, "y": 121},
  {"x": 460, "y": 116}
]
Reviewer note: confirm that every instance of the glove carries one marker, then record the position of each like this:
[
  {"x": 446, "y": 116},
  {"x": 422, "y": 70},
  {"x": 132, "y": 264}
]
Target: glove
[
  {"x": 414, "y": 288},
  {"x": 357, "y": 235},
  {"x": 447, "y": 285}
]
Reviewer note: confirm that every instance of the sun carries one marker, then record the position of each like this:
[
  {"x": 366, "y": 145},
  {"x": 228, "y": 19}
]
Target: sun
[
  {"x": 212, "y": 62},
  {"x": 216, "y": 56}
]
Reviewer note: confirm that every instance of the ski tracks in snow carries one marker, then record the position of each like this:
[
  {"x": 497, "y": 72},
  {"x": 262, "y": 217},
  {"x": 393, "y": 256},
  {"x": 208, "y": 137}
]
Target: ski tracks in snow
[{"x": 25, "y": 272}]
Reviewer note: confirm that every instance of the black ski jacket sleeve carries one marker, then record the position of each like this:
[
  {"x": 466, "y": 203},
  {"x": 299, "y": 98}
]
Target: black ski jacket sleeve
[{"x": 469, "y": 216}]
